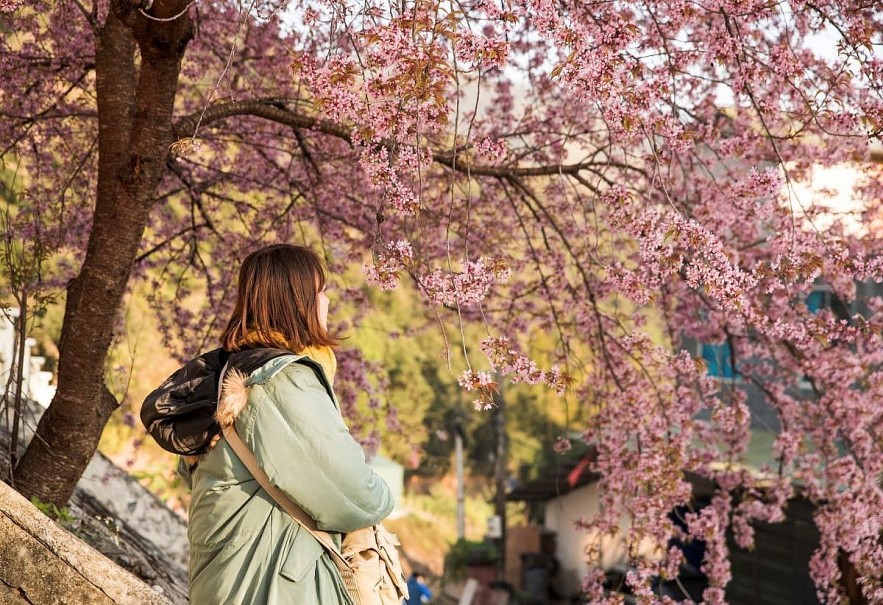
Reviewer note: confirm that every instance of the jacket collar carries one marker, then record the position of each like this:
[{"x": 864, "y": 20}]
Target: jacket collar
[
  {"x": 237, "y": 383},
  {"x": 234, "y": 395}
]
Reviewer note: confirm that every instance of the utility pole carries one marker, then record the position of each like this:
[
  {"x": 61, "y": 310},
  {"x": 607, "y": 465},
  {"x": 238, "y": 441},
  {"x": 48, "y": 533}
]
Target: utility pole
[
  {"x": 500, "y": 479},
  {"x": 461, "y": 503}
]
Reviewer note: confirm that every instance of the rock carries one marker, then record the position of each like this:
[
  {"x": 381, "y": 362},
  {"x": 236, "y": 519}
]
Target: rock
[
  {"x": 121, "y": 519},
  {"x": 128, "y": 548},
  {"x": 128, "y": 501},
  {"x": 42, "y": 563}
]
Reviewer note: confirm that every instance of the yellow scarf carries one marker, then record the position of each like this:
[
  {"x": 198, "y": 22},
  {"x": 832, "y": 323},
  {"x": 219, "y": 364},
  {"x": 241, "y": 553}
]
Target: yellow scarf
[{"x": 324, "y": 356}]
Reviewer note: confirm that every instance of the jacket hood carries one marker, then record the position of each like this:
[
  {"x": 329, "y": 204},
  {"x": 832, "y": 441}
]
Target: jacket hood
[
  {"x": 234, "y": 398},
  {"x": 238, "y": 380},
  {"x": 180, "y": 414}
]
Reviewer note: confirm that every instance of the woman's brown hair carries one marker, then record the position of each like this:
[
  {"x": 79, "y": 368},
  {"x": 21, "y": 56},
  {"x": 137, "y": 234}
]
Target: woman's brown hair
[{"x": 276, "y": 301}]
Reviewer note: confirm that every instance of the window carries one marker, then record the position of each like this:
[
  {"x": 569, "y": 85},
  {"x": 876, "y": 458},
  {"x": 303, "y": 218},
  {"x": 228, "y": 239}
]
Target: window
[
  {"x": 719, "y": 360},
  {"x": 823, "y": 297}
]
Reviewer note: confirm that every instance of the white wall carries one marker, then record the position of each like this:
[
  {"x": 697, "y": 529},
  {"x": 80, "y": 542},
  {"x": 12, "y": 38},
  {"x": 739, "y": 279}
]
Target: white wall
[
  {"x": 36, "y": 382},
  {"x": 833, "y": 190},
  {"x": 7, "y": 343},
  {"x": 394, "y": 475},
  {"x": 572, "y": 542}
]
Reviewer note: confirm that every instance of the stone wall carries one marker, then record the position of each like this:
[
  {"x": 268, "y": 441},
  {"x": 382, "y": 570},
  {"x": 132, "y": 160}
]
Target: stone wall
[
  {"x": 120, "y": 518},
  {"x": 42, "y": 563}
]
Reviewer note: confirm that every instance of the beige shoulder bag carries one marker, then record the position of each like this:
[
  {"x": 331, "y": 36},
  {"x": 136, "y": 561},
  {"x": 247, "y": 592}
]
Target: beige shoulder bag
[{"x": 368, "y": 560}]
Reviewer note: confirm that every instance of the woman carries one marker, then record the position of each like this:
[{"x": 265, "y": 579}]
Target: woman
[{"x": 243, "y": 547}]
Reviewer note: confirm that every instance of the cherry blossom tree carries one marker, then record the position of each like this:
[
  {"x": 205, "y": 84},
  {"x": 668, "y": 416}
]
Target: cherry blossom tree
[{"x": 592, "y": 169}]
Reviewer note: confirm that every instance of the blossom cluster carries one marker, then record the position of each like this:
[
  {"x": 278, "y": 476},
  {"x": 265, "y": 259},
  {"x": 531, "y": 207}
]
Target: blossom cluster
[
  {"x": 471, "y": 285},
  {"x": 520, "y": 368},
  {"x": 384, "y": 271},
  {"x": 484, "y": 384}
]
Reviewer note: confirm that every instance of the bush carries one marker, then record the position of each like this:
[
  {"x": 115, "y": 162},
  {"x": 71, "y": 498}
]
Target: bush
[
  {"x": 465, "y": 553},
  {"x": 62, "y": 515}
]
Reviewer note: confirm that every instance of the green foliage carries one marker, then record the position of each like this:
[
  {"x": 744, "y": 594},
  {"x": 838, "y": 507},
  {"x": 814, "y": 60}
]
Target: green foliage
[
  {"x": 28, "y": 260},
  {"x": 62, "y": 515},
  {"x": 422, "y": 354},
  {"x": 464, "y": 553},
  {"x": 441, "y": 502},
  {"x": 163, "y": 483}
]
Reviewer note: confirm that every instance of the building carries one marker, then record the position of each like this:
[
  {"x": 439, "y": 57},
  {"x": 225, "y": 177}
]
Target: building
[
  {"x": 36, "y": 382},
  {"x": 394, "y": 474},
  {"x": 775, "y": 572}
]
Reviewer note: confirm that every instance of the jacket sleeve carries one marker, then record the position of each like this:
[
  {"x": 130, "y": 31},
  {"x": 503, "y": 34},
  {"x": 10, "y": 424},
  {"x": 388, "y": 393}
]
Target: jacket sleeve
[{"x": 301, "y": 442}]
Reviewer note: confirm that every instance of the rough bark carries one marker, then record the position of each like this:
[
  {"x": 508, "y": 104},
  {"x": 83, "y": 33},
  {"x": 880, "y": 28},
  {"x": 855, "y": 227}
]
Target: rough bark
[
  {"x": 135, "y": 116},
  {"x": 849, "y": 581}
]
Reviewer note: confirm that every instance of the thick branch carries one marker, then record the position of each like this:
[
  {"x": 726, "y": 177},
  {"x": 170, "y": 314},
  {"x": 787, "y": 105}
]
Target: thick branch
[
  {"x": 280, "y": 111},
  {"x": 271, "y": 109}
]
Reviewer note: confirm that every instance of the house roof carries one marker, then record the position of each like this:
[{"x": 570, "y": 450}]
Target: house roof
[
  {"x": 572, "y": 473},
  {"x": 569, "y": 474}
]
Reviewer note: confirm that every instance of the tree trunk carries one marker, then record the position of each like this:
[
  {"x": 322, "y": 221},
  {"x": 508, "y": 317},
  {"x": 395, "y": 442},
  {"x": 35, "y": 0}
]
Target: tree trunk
[
  {"x": 134, "y": 122},
  {"x": 849, "y": 577}
]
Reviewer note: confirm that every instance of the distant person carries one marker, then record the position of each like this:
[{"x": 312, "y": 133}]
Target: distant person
[
  {"x": 244, "y": 549},
  {"x": 418, "y": 590}
]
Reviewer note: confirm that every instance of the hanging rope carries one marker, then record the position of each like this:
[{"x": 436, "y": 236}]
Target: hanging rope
[{"x": 149, "y": 4}]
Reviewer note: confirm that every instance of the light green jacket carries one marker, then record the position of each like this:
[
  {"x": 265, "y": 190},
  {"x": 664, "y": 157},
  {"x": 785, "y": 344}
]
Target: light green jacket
[{"x": 244, "y": 549}]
